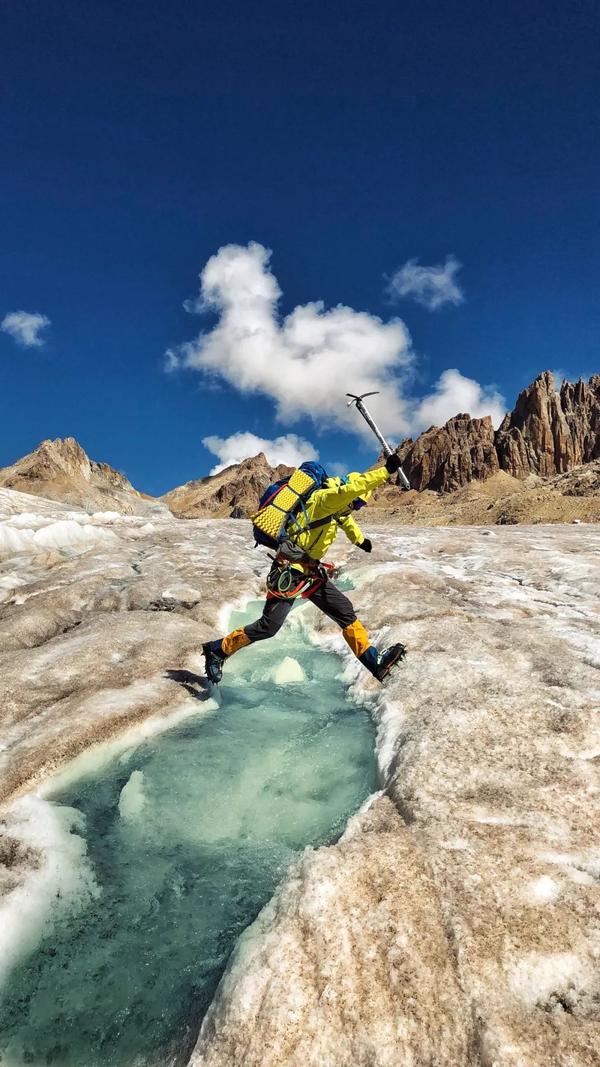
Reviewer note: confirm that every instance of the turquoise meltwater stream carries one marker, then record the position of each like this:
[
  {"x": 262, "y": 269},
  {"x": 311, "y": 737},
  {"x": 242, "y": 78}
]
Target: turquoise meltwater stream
[{"x": 188, "y": 834}]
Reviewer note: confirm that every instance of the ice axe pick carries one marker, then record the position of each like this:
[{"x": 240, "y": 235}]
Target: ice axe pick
[{"x": 387, "y": 451}]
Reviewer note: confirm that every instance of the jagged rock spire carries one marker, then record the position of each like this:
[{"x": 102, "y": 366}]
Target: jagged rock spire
[{"x": 548, "y": 432}]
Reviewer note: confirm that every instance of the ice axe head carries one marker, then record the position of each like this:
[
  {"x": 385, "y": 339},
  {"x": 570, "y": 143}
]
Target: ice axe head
[
  {"x": 387, "y": 450},
  {"x": 355, "y": 399}
]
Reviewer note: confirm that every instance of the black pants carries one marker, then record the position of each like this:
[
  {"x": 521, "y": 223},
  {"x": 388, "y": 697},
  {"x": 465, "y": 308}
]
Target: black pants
[{"x": 328, "y": 598}]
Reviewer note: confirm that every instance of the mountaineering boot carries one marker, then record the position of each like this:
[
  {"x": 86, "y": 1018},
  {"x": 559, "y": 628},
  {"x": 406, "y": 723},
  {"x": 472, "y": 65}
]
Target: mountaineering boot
[
  {"x": 213, "y": 662},
  {"x": 381, "y": 663},
  {"x": 387, "y": 659}
]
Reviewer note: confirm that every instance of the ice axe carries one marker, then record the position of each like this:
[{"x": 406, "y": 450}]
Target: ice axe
[{"x": 387, "y": 451}]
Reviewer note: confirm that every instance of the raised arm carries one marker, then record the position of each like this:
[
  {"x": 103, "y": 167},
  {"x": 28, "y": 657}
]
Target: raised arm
[{"x": 330, "y": 501}]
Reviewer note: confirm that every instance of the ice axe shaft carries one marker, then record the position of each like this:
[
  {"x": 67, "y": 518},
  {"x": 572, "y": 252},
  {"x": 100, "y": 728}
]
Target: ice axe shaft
[
  {"x": 365, "y": 414},
  {"x": 358, "y": 400}
]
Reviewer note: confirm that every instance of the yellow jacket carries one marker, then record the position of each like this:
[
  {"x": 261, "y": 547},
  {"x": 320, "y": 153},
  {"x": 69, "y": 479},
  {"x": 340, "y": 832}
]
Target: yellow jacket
[{"x": 333, "y": 502}]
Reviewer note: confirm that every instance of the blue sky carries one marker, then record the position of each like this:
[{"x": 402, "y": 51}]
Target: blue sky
[{"x": 349, "y": 139}]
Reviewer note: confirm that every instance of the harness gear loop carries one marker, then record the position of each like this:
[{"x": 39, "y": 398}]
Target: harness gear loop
[{"x": 287, "y": 581}]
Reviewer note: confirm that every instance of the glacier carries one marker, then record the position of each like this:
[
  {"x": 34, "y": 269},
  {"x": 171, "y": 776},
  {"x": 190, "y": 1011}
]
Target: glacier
[
  {"x": 184, "y": 833},
  {"x": 456, "y": 919}
]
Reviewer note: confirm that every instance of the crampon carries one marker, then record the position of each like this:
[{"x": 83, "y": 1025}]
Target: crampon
[
  {"x": 388, "y": 659},
  {"x": 213, "y": 664}
]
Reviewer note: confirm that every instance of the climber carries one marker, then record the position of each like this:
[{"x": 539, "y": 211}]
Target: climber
[{"x": 297, "y": 571}]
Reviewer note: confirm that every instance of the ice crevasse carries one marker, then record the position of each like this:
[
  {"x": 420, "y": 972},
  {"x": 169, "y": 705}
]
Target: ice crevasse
[{"x": 184, "y": 837}]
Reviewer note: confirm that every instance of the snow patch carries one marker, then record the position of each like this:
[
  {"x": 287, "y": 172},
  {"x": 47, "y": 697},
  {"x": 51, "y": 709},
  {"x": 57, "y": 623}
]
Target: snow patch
[
  {"x": 389, "y": 732},
  {"x": 29, "y": 520},
  {"x": 11, "y": 582},
  {"x": 455, "y": 844},
  {"x": 543, "y": 889},
  {"x": 16, "y": 539},
  {"x": 69, "y": 534},
  {"x": 288, "y": 672},
  {"x": 63, "y": 879},
  {"x": 536, "y": 977},
  {"x": 132, "y": 799},
  {"x": 354, "y": 825},
  {"x": 583, "y": 868}
]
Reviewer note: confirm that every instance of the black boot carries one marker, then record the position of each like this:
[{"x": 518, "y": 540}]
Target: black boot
[
  {"x": 387, "y": 659},
  {"x": 213, "y": 662}
]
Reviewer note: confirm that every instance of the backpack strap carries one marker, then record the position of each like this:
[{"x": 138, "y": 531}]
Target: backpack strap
[{"x": 319, "y": 522}]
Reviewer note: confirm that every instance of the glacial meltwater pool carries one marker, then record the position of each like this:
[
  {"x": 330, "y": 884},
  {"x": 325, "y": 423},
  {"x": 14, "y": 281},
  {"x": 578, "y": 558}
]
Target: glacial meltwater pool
[{"x": 187, "y": 836}]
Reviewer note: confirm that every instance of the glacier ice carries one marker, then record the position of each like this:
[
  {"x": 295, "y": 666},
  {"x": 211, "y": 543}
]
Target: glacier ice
[
  {"x": 288, "y": 672},
  {"x": 484, "y": 740},
  {"x": 62, "y": 879},
  {"x": 459, "y": 917},
  {"x": 131, "y": 798}
]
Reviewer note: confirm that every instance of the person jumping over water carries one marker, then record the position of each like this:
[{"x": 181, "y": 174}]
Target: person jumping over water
[{"x": 297, "y": 571}]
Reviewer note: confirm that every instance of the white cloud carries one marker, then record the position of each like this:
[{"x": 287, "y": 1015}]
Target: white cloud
[
  {"x": 305, "y": 362},
  {"x": 290, "y": 449},
  {"x": 171, "y": 363},
  {"x": 453, "y": 394},
  {"x": 433, "y": 287},
  {"x": 25, "y": 327},
  {"x": 336, "y": 468}
]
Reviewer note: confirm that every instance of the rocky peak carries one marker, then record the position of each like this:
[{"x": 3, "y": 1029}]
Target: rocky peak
[
  {"x": 448, "y": 457},
  {"x": 64, "y": 457},
  {"x": 547, "y": 433},
  {"x": 233, "y": 492},
  {"x": 62, "y": 470},
  {"x": 550, "y": 432}
]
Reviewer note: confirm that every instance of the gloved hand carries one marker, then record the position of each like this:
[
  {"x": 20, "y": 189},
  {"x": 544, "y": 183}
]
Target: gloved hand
[
  {"x": 392, "y": 463},
  {"x": 366, "y": 545}
]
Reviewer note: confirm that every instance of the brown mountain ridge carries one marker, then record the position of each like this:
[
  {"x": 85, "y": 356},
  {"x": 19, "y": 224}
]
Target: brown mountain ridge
[
  {"x": 233, "y": 492},
  {"x": 547, "y": 433},
  {"x": 61, "y": 470},
  {"x": 462, "y": 472}
]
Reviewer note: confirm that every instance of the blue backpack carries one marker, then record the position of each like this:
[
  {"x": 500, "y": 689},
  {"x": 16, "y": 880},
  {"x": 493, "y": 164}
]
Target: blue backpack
[{"x": 283, "y": 501}]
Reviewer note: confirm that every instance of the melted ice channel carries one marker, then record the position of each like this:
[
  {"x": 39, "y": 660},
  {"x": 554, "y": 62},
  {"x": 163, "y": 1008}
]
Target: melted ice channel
[{"x": 173, "y": 848}]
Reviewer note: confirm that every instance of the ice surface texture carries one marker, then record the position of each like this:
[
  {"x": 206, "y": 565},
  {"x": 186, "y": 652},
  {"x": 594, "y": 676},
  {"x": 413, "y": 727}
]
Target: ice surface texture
[
  {"x": 187, "y": 835},
  {"x": 89, "y": 631},
  {"x": 459, "y": 923}
]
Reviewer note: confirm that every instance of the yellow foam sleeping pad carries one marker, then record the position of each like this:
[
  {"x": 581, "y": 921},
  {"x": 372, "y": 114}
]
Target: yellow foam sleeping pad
[{"x": 271, "y": 518}]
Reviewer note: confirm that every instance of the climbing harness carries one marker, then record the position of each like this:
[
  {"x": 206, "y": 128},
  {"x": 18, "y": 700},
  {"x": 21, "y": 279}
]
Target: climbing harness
[{"x": 286, "y": 581}]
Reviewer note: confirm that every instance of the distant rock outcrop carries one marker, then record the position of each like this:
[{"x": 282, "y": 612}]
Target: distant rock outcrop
[
  {"x": 547, "y": 433},
  {"x": 233, "y": 492},
  {"x": 500, "y": 500},
  {"x": 62, "y": 470},
  {"x": 444, "y": 459}
]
